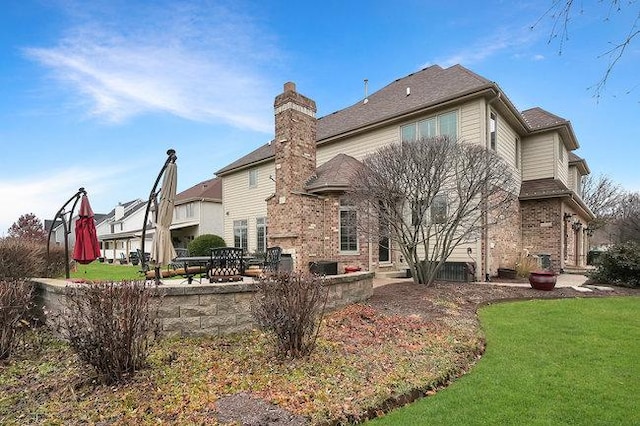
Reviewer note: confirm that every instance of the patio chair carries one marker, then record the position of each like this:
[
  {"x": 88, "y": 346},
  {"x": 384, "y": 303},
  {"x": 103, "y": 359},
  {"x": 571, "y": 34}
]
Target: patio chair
[
  {"x": 272, "y": 260},
  {"x": 226, "y": 264}
]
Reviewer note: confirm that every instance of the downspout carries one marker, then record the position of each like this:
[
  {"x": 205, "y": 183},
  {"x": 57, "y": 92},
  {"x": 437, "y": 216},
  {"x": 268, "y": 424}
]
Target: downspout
[{"x": 486, "y": 204}]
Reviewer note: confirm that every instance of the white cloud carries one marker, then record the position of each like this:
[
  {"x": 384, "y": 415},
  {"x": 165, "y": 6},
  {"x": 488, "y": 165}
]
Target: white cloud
[
  {"x": 504, "y": 39},
  {"x": 199, "y": 63},
  {"x": 45, "y": 194}
]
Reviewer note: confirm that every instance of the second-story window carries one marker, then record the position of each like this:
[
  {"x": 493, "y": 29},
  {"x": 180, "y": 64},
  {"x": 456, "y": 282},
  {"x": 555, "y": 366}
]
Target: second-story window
[
  {"x": 493, "y": 129},
  {"x": 189, "y": 210},
  {"x": 560, "y": 151},
  {"x": 253, "y": 178},
  {"x": 440, "y": 125},
  {"x": 517, "y": 153},
  {"x": 439, "y": 209}
]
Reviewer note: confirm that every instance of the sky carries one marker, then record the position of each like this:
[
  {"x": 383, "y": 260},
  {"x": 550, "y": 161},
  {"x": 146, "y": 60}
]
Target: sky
[{"x": 93, "y": 94}]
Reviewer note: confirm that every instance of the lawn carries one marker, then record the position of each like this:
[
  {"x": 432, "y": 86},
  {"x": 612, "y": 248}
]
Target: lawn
[
  {"x": 96, "y": 271},
  {"x": 570, "y": 361}
]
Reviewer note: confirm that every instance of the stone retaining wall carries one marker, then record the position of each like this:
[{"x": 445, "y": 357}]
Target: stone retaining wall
[{"x": 212, "y": 309}]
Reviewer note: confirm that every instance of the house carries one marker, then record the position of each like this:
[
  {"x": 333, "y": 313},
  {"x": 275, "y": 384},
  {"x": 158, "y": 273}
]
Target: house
[
  {"x": 198, "y": 211},
  {"x": 120, "y": 231},
  {"x": 292, "y": 185}
]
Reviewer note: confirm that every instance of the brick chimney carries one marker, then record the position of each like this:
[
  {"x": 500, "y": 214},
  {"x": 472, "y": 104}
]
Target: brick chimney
[
  {"x": 295, "y": 119},
  {"x": 293, "y": 215}
]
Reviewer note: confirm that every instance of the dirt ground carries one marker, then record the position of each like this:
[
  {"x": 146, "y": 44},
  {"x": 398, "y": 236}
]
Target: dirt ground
[{"x": 445, "y": 302}]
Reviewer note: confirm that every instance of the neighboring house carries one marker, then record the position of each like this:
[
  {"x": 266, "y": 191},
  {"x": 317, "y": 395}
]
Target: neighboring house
[
  {"x": 294, "y": 183},
  {"x": 120, "y": 231},
  {"x": 198, "y": 211}
]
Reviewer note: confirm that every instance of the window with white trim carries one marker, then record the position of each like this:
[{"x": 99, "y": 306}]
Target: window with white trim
[
  {"x": 348, "y": 227},
  {"x": 517, "y": 153},
  {"x": 439, "y": 209},
  {"x": 261, "y": 234},
  {"x": 240, "y": 234},
  {"x": 493, "y": 129},
  {"x": 439, "y": 125}
]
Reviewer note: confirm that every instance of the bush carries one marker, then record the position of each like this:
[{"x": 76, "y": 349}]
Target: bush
[
  {"x": 620, "y": 265},
  {"x": 202, "y": 245},
  {"x": 111, "y": 326},
  {"x": 290, "y": 307},
  {"x": 15, "y": 302},
  {"x": 20, "y": 259}
]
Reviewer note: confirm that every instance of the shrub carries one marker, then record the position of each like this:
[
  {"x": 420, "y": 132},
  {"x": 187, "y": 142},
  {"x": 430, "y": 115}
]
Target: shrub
[
  {"x": 290, "y": 307},
  {"x": 202, "y": 245},
  {"x": 20, "y": 258},
  {"x": 15, "y": 302},
  {"x": 620, "y": 265},
  {"x": 111, "y": 326}
]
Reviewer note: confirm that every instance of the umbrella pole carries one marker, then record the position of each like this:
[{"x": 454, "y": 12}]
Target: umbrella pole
[
  {"x": 171, "y": 158},
  {"x": 66, "y": 227}
]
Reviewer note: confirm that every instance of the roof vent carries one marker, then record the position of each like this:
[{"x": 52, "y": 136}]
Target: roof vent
[
  {"x": 408, "y": 91},
  {"x": 366, "y": 91}
]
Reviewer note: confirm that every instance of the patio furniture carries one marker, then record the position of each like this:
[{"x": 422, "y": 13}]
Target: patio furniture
[
  {"x": 123, "y": 259},
  {"x": 272, "y": 260},
  {"x": 190, "y": 266},
  {"x": 226, "y": 264}
]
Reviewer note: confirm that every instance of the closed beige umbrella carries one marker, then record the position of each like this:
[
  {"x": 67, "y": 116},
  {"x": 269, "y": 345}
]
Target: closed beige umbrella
[{"x": 162, "y": 250}]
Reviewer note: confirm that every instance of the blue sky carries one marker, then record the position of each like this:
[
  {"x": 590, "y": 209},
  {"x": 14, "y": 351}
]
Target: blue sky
[{"x": 93, "y": 93}]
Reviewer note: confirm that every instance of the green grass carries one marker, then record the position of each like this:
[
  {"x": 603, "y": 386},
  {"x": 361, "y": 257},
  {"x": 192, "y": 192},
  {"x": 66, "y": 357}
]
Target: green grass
[
  {"x": 572, "y": 361},
  {"x": 96, "y": 271}
]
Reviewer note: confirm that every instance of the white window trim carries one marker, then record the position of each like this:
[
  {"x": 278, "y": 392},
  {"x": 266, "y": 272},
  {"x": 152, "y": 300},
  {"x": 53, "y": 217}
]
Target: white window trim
[
  {"x": 345, "y": 208},
  {"x": 415, "y": 123},
  {"x": 254, "y": 173}
]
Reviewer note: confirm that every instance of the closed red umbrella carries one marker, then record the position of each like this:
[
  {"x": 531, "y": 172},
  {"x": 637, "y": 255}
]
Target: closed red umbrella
[{"x": 87, "y": 248}]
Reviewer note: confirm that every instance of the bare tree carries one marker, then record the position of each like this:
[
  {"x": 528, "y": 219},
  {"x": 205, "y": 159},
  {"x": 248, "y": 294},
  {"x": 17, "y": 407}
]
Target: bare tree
[
  {"x": 427, "y": 197},
  {"x": 603, "y": 197},
  {"x": 629, "y": 217},
  {"x": 28, "y": 227},
  {"x": 562, "y": 13}
]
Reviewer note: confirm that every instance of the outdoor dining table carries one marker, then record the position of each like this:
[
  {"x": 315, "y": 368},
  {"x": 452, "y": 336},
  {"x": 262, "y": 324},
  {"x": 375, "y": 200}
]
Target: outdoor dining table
[{"x": 202, "y": 263}]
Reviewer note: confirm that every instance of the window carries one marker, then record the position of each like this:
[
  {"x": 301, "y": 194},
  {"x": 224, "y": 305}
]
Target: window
[
  {"x": 348, "y": 227},
  {"x": 261, "y": 234},
  {"x": 518, "y": 153},
  {"x": 440, "y": 125},
  {"x": 560, "y": 150},
  {"x": 418, "y": 212},
  {"x": 240, "y": 233},
  {"x": 493, "y": 130},
  {"x": 189, "y": 210},
  {"x": 253, "y": 178},
  {"x": 439, "y": 209}
]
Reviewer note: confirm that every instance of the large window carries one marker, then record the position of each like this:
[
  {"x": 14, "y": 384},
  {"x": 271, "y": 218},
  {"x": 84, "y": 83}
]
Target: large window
[
  {"x": 240, "y": 234},
  {"x": 261, "y": 234},
  {"x": 348, "y": 227},
  {"x": 440, "y": 125},
  {"x": 439, "y": 209}
]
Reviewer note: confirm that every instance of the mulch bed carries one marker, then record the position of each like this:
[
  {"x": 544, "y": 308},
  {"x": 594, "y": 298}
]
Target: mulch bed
[{"x": 447, "y": 303}]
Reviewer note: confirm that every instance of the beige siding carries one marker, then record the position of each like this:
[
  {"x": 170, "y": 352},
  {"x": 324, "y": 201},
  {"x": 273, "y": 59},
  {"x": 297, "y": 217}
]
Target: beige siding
[
  {"x": 471, "y": 120},
  {"x": 538, "y": 157},
  {"x": 573, "y": 179},
  {"x": 360, "y": 146},
  {"x": 243, "y": 203},
  {"x": 506, "y": 144},
  {"x": 562, "y": 160}
]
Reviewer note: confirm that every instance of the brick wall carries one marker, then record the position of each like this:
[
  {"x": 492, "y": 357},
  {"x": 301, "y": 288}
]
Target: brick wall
[
  {"x": 543, "y": 228},
  {"x": 506, "y": 238}
]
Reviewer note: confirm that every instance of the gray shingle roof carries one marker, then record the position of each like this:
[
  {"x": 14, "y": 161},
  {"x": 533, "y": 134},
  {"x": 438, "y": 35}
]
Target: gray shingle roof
[
  {"x": 537, "y": 118},
  {"x": 428, "y": 87},
  {"x": 333, "y": 175},
  {"x": 543, "y": 188},
  {"x": 209, "y": 189}
]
